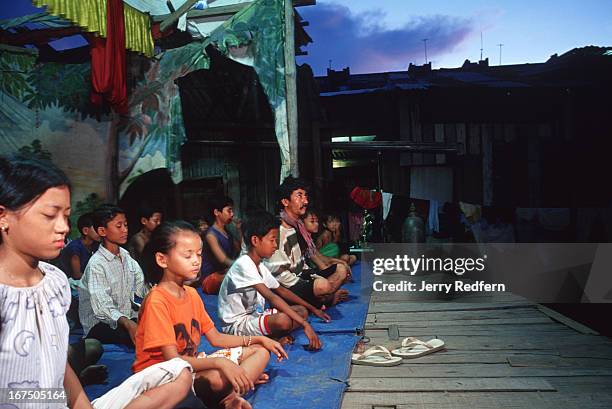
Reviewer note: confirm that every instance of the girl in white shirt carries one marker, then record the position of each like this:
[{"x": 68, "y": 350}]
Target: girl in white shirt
[{"x": 35, "y": 296}]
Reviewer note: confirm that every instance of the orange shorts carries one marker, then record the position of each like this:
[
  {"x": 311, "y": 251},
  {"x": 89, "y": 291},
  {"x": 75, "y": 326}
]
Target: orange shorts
[{"x": 212, "y": 283}]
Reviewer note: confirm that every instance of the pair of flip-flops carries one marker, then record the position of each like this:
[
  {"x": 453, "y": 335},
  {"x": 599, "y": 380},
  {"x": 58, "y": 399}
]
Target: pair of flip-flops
[{"x": 411, "y": 348}]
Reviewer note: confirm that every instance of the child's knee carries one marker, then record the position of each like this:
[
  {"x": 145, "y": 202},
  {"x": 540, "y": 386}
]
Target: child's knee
[
  {"x": 184, "y": 381},
  {"x": 210, "y": 379},
  {"x": 260, "y": 352},
  {"x": 322, "y": 287},
  {"x": 253, "y": 349},
  {"x": 341, "y": 271}
]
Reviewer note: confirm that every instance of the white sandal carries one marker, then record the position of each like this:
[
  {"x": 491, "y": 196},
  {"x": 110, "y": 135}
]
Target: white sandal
[
  {"x": 414, "y": 348},
  {"x": 376, "y": 356}
]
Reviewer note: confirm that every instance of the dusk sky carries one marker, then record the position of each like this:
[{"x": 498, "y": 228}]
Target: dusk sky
[{"x": 386, "y": 35}]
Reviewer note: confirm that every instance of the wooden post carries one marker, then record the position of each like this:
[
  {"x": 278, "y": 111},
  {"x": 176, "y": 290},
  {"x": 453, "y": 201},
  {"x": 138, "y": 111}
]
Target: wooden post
[
  {"x": 175, "y": 15},
  {"x": 178, "y": 200},
  {"x": 291, "y": 87},
  {"x": 487, "y": 164},
  {"x": 316, "y": 154},
  {"x": 112, "y": 161}
]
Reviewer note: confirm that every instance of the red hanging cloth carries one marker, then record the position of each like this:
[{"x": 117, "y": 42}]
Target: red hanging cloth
[
  {"x": 108, "y": 66},
  {"x": 366, "y": 198}
]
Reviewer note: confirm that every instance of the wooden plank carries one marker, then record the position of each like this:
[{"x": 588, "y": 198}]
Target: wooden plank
[
  {"x": 450, "y": 133},
  {"x": 467, "y": 370},
  {"x": 499, "y": 331},
  {"x": 439, "y": 133},
  {"x": 479, "y": 400},
  {"x": 455, "y": 385},
  {"x": 567, "y": 321},
  {"x": 393, "y": 332},
  {"x": 487, "y": 165},
  {"x": 228, "y": 10},
  {"x": 400, "y": 317},
  {"x": 488, "y": 343},
  {"x": 586, "y": 384},
  {"x": 461, "y": 297},
  {"x": 473, "y": 139},
  {"x": 447, "y": 306},
  {"x": 467, "y": 322},
  {"x": 175, "y": 15},
  {"x": 380, "y": 330},
  {"x": 291, "y": 89},
  {"x": 461, "y": 139},
  {"x": 539, "y": 361}
]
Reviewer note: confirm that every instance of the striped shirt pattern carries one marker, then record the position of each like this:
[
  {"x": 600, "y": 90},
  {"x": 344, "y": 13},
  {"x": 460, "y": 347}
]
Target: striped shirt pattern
[
  {"x": 287, "y": 263},
  {"x": 34, "y": 334},
  {"x": 108, "y": 287}
]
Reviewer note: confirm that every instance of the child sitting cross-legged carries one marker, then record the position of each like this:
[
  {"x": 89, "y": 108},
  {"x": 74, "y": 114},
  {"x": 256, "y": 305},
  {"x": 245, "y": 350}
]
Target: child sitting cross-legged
[
  {"x": 248, "y": 284},
  {"x": 172, "y": 320},
  {"x": 328, "y": 241},
  {"x": 220, "y": 247},
  {"x": 322, "y": 265}
]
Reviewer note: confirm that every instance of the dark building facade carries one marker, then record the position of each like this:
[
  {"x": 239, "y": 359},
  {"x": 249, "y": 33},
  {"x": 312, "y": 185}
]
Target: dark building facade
[{"x": 515, "y": 136}]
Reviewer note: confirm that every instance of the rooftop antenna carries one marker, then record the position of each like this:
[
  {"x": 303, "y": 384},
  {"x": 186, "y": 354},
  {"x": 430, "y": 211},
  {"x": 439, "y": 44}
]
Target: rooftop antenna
[
  {"x": 481, "y": 46},
  {"x": 425, "y": 43},
  {"x": 500, "y": 52},
  {"x": 330, "y": 64}
]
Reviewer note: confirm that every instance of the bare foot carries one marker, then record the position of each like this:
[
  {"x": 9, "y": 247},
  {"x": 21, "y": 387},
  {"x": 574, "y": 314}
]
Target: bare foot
[
  {"x": 233, "y": 401},
  {"x": 263, "y": 378},
  {"x": 340, "y": 296}
]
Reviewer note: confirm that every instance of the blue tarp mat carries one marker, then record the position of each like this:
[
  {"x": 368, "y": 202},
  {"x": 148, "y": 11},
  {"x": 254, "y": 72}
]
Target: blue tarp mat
[
  {"x": 302, "y": 393},
  {"x": 118, "y": 359},
  {"x": 307, "y": 380},
  {"x": 349, "y": 316}
]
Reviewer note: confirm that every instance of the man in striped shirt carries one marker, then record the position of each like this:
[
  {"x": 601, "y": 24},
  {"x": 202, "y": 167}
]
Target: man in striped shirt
[
  {"x": 109, "y": 283},
  {"x": 295, "y": 245}
]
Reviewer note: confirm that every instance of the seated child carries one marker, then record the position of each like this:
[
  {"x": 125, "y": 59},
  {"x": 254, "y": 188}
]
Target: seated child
[
  {"x": 328, "y": 240},
  {"x": 34, "y": 295},
  {"x": 220, "y": 247},
  {"x": 75, "y": 256},
  {"x": 150, "y": 218},
  {"x": 201, "y": 224},
  {"x": 319, "y": 264},
  {"x": 173, "y": 318},
  {"x": 248, "y": 284},
  {"x": 109, "y": 283}
]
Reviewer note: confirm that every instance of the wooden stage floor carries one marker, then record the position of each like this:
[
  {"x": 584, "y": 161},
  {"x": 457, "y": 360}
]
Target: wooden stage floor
[{"x": 502, "y": 351}]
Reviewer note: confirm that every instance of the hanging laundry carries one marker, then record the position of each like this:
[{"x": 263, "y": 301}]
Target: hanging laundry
[
  {"x": 365, "y": 198},
  {"x": 433, "y": 219},
  {"x": 108, "y": 61},
  {"x": 386, "y": 203}
]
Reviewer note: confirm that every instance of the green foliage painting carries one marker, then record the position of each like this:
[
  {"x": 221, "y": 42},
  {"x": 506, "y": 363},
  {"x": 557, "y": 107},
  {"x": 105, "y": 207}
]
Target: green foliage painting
[
  {"x": 14, "y": 69},
  {"x": 66, "y": 85},
  {"x": 34, "y": 151},
  {"x": 39, "y": 86}
]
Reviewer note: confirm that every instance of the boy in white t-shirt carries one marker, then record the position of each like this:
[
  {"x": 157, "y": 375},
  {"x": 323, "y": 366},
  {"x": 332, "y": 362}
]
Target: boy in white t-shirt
[{"x": 248, "y": 284}]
